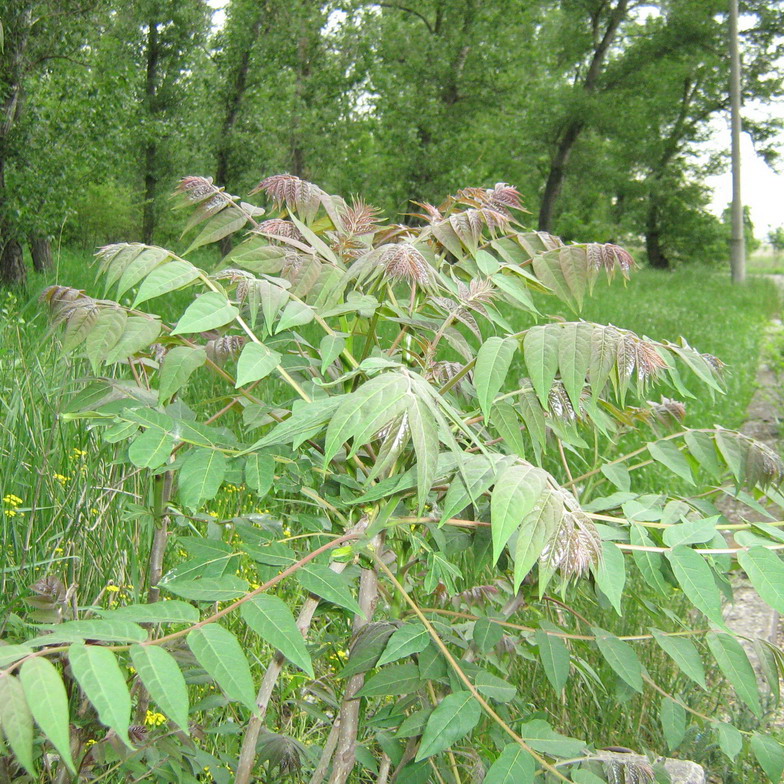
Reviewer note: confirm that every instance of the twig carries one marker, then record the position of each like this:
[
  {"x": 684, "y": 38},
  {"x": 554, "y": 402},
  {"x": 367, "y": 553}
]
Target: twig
[
  {"x": 345, "y": 752},
  {"x": 248, "y": 751}
]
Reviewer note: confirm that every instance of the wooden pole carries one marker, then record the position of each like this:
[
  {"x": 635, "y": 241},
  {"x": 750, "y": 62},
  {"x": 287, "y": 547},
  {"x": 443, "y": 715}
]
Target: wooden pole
[{"x": 737, "y": 244}]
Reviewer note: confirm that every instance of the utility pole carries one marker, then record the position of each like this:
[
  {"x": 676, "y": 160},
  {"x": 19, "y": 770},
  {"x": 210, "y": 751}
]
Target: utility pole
[{"x": 737, "y": 244}]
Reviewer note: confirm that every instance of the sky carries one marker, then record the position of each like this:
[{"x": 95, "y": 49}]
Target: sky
[{"x": 762, "y": 189}]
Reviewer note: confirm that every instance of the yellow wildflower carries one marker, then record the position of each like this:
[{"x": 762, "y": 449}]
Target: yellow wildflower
[
  {"x": 61, "y": 478},
  {"x": 79, "y": 452},
  {"x": 153, "y": 719},
  {"x": 12, "y": 500},
  {"x": 113, "y": 588}
]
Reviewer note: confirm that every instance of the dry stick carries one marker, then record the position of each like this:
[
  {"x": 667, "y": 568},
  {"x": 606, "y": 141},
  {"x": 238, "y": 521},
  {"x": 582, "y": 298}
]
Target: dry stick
[
  {"x": 248, "y": 751},
  {"x": 383, "y": 769},
  {"x": 326, "y": 753},
  {"x": 345, "y": 752},
  {"x": 161, "y": 490},
  {"x": 488, "y": 709}
]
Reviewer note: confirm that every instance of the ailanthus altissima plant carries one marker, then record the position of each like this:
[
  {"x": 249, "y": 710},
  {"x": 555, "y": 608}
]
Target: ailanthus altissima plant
[{"x": 444, "y": 483}]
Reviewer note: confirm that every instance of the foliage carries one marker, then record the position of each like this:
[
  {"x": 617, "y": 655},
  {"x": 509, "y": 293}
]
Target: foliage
[{"x": 362, "y": 381}]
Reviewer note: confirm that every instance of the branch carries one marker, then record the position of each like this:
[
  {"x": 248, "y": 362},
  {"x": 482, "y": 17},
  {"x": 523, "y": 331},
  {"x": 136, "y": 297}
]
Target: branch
[{"x": 417, "y": 14}]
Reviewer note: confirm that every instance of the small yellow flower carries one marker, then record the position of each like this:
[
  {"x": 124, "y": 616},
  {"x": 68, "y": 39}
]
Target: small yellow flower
[
  {"x": 12, "y": 500},
  {"x": 58, "y": 550},
  {"x": 61, "y": 478},
  {"x": 11, "y": 513},
  {"x": 343, "y": 655},
  {"x": 90, "y": 742},
  {"x": 254, "y": 586},
  {"x": 287, "y": 531},
  {"x": 113, "y": 588},
  {"x": 153, "y": 719},
  {"x": 214, "y": 515},
  {"x": 79, "y": 452}
]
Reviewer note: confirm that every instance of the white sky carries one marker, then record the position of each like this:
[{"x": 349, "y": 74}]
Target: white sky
[{"x": 762, "y": 189}]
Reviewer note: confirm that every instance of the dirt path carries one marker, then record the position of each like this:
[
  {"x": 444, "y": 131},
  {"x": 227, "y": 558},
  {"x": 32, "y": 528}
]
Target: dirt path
[{"x": 748, "y": 615}]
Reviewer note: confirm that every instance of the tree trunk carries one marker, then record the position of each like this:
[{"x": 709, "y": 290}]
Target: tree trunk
[
  {"x": 653, "y": 246},
  {"x": 12, "y": 269},
  {"x": 41, "y": 253},
  {"x": 151, "y": 146},
  {"x": 555, "y": 178},
  {"x": 236, "y": 91},
  {"x": 574, "y": 128}
]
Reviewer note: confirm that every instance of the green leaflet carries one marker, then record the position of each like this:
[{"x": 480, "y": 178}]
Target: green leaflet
[
  {"x": 11, "y": 653},
  {"x": 227, "y": 221},
  {"x": 604, "y": 353},
  {"x": 539, "y": 735},
  {"x": 734, "y": 663},
  {"x": 454, "y": 717},
  {"x": 259, "y": 473},
  {"x": 535, "y": 531},
  {"x": 769, "y": 754},
  {"x": 208, "y": 311},
  {"x": 610, "y": 574},
  {"x": 161, "y": 676},
  {"x": 48, "y": 702},
  {"x": 621, "y": 656},
  {"x": 103, "y": 337},
  {"x": 397, "y": 680},
  {"x": 167, "y": 277},
  {"x": 574, "y": 355},
  {"x": 177, "y": 366},
  {"x": 295, "y": 314},
  {"x": 172, "y": 611},
  {"x": 207, "y": 589},
  {"x": 151, "y": 449},
  {"x": 517, "y": 490},
  {"x": 475, "y": 476},
  {"x": 649, "y": 563},
  {"x": 730, "y": 739},
  {"x": 16, "y": 722},
  {"x": 322, "y": 581},
  {"x": 540, "y": 349},
  {"x": 272, "y": 620},
  {"x": 691, "y": 532},
  {"x": 408, "y": 639},
  {"x": 424, "y": 436},
  {"x": 201, "y": 476},
  {"x": 138, "y": 334},
  {"x": 146, "y": 259},
  {"x": 255, "y": 363},
  {"x": 367, "y": 648},
  {"x": 703, "y": 450},
  {"x": 507, "y": 423},
  {"x": 514, "y": 765},
  {"x": 684, "y": 653},
  {"x": 668, "y": 454},
  {"x": 493, "y": 687},
  {"x": 98, "y": 674},
  {"x": 554, "y": 656},
  {"x": 493, "y": 361},
  {"x": 672, "y": 716},
  {"x": 103, "y": 630},
  {"x": 220, "y": 653},
  {"x": 377, "y": 402},
  {"x": 766, "y": 572},
  {"x": 487, "y": 634},
  {"x": 330, "y": 348},
  {"x": 696, "y": 579}
]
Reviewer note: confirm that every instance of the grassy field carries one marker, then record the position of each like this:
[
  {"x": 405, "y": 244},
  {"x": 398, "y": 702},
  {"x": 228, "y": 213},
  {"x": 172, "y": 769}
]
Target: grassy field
[{"x": 73, "y": 510}]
